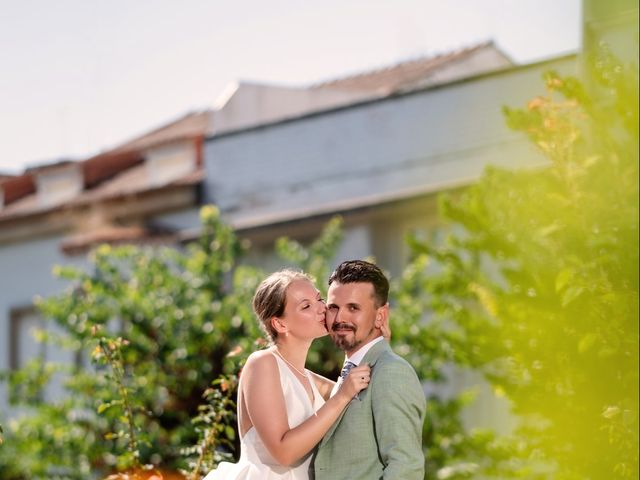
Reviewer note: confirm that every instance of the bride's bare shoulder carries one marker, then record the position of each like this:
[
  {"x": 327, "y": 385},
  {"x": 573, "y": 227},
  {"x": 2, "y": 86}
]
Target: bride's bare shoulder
[
  {"x": 261, "y": 370},
  {"x": 260, "y": 360}
]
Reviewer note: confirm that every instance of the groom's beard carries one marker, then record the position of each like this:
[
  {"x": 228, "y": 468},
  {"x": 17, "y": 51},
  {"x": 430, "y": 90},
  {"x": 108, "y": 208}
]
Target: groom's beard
[{"x": 348, "y": 342}]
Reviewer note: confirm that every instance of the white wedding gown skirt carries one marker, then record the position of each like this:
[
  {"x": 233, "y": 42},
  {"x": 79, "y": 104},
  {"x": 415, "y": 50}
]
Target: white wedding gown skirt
[{"x": 255, "y": 461}]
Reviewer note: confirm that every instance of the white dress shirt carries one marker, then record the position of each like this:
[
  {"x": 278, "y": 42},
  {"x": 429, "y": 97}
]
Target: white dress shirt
[{"x": 356, "y": 358}]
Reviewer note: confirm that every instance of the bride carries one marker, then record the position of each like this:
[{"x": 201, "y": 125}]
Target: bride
[{"x": 284, "y": 410}]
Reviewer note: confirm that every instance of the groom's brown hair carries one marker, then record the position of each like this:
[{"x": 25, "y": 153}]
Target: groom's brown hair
[{"x": 360, "y": 271}]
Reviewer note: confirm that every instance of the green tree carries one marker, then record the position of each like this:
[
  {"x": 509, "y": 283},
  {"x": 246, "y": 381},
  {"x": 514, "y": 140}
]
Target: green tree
[
  {"x": 538, "y": 279},
  {"x": 165, "y": 321}
]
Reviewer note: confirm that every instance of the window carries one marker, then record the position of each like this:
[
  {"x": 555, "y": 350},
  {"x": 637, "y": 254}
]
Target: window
[{"x": 22, "y": 345}]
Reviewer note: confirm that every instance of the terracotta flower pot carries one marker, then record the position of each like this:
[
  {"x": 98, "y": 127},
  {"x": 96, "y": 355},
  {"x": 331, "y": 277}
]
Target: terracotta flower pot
[{"x": 154, "y": 474}]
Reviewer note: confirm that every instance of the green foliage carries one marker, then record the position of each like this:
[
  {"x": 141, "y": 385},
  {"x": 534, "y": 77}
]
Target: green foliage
[
  {"x": 315, "y": 259},
  {"x": 109, "y": 352},
  {"x": 423, "y": 307},
  {"x": 215, "y": 426},
  {"x": 162, "y": 322},
  {"x": 538, "y": 279}
]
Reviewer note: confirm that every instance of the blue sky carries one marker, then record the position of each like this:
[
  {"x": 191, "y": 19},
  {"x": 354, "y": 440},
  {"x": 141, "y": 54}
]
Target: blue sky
[{"x": 80, "y": 76}]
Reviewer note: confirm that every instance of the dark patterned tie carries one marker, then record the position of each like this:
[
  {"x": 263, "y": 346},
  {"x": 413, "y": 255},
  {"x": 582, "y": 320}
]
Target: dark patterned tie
[{"x": 346, "y": 369}]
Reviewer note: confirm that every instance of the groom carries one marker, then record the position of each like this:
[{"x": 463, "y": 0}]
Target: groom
[{"x": 379, "y": 436}]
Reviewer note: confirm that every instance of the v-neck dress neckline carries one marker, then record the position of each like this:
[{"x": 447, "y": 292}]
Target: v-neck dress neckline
[{"x": 282, "y": 365}]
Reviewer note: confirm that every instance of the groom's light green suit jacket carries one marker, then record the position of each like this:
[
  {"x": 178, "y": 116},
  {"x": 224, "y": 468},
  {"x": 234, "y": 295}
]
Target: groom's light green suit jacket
[{"x": 379, "y": 435}]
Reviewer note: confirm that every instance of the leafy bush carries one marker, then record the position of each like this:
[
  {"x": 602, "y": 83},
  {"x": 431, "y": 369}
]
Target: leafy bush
[
  {"x": 164, "y": 322},
  {"x": 538, "y": 279}
]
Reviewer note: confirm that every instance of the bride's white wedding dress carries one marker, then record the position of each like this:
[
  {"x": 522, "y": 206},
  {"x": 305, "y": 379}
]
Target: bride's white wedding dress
[{"x": 255, "y": 461}]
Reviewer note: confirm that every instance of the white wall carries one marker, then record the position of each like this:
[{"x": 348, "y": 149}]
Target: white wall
[
  {"x": 26, "y": 271},
  {"x": 248, "y": 104},
  {"x": 180, "y": 220},
  {"x": 419, "y": 142}
]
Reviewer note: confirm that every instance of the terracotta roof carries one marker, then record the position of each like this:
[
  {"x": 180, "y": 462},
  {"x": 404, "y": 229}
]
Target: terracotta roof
[
  {"x": 104, "y": 166},
  {"x": 400, "y": 75},
  {"x": 191, "y": 125},
  {"x": 14, "y": 188},
  {"x": 97, "y": 171},
  {"x": 128, "y": 182},
  {"x": 46, "y": 167}
]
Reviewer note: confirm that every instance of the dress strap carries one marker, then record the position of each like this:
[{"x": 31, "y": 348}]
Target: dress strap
[{"x": 283, "y": 364}]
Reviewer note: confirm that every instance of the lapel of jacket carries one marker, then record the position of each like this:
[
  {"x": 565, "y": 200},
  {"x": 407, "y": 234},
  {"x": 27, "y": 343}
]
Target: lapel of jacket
[
  {"x": 371, "y": 358},
  {"x": 374, "y": 353}
]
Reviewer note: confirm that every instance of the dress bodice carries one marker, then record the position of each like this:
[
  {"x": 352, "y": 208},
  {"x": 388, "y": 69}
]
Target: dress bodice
[{"x": 256, "y": 463}]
